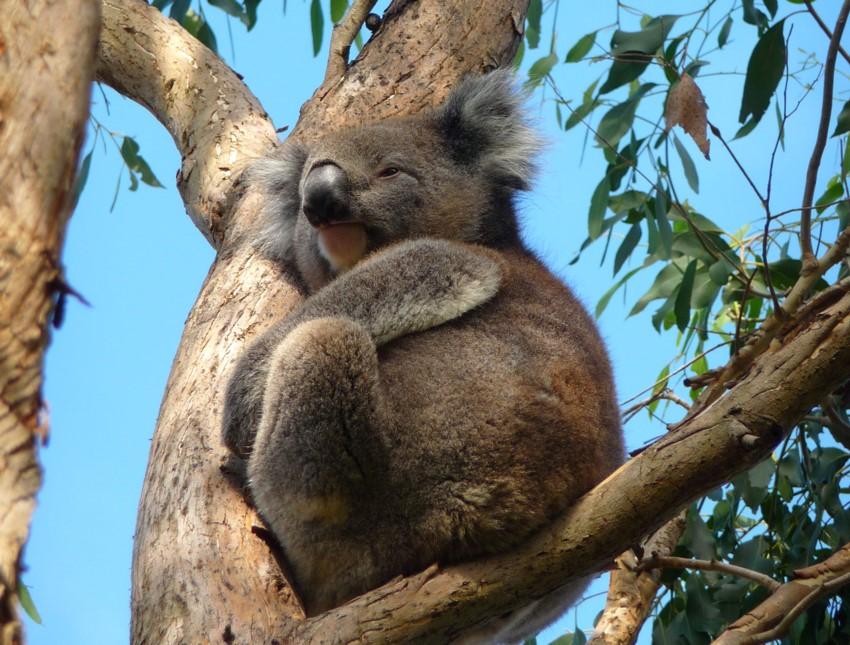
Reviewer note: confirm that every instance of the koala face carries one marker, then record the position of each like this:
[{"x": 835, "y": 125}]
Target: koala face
[
  {"x": 364, "y": 189},
  {"x": 450, "y": 173}
]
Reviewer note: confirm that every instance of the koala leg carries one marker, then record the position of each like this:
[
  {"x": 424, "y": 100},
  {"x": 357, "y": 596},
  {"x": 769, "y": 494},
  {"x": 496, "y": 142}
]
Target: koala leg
[{"x": 317, "y": 451}]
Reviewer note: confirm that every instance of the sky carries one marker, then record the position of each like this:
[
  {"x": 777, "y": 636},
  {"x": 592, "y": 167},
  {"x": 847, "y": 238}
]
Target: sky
[{"x": 141, "y": 262}]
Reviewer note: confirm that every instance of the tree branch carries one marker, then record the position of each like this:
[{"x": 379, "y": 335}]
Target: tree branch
[
  {"x": 344, "y": 33},
  {"x": 631, "y": 592},
  {"x": 820, "y": 140},
  {"x": 656, "y": 561},
  {"x": 774, "y": 617},
  {"x": 47, "y": 55},
  {"x": 825, "y": 29},
  {"x": 216, "y": 123}
]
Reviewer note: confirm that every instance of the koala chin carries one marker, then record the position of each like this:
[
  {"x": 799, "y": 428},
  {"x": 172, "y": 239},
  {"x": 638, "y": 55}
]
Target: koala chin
[{"x": 438, "y": 395}]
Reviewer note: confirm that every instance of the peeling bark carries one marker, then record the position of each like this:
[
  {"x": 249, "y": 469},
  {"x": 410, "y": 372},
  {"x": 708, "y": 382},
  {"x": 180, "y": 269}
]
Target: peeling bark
[{"x": 47, "y": 54}]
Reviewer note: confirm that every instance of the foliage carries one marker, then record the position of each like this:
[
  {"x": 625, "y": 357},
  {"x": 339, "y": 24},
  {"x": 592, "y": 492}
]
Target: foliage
[{"x": 712, "y": 283}]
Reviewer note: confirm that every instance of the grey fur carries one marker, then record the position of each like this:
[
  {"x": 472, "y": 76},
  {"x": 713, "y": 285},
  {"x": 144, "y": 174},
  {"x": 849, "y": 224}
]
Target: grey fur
[{"x": 447, "y": 395}]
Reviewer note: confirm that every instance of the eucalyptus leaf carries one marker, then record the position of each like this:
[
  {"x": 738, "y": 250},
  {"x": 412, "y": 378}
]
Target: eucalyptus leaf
[
  {"x": 581, "y": 48},
  {"x": 317, "y": 25},
  {"x": 764, "y": 71}
]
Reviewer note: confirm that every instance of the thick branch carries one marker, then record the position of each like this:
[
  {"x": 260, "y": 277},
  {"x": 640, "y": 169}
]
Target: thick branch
[
  {"x": 772, "y": 619},
  {"x": 47, "y": 54},
  {"x": 215, "y": 121}
]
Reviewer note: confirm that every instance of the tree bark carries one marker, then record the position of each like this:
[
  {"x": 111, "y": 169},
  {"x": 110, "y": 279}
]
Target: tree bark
[
  {"x": 200, "y": 573},
  {"x": 47, "y": 54}
]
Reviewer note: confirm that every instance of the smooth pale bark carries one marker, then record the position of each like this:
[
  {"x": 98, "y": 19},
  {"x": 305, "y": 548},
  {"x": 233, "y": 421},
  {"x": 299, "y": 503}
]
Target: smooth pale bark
[
  {"x": 47, "y": 54},
  {"x": 201, "y": 573}
]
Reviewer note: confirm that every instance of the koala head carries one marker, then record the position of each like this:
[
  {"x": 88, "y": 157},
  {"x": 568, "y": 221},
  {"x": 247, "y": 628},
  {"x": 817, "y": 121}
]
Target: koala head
[{"x": 449, "y": 173}]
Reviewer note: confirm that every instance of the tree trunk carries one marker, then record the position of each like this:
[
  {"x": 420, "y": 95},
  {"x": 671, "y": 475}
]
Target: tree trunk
[{"x": 47, "y": 54}]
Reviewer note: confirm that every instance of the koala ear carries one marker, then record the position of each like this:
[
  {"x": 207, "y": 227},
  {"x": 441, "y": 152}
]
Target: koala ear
[
  {"x": 483, "y": 122},
  {"x": 277, "y": 178}
]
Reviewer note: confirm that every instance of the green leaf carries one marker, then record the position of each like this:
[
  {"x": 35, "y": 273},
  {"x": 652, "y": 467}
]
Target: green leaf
[
  {"x": 723, "y": 36},
  {"x": 834, "y": 191},
  {"x": 317, "y": 25},
  {"x": 581, "y": 48},
  {"x": 752, "y": 484},
  {"x": 179, "y": 9},
  {"x": 137, "y": 165},
  {"x": 771, "y": 6},
  {"x": 540, "y": 69},
  {"x": 27, "y": 604},
  {"x": 617, "y": 121},
  {"x": 230, "y": 7},
  {"x": 532, "y": 23},
  {"x": 80, "y": 179},
  {"x": 634, "y": 50},
  {"x": 682, "y": 307},
  {"x": 627, "y": 246},
  {"x": 251, "y": 13},
  {"x": 598, "y": 206},
  {"x": 764, "y": 72},
  {"x": 606, "y": 297},
  {"x": 754, "y": 16},
  {"x": 580, "y": 113},
  {"x": 687, "y": 165},
  {"x": 338, "y": 9},
  {"x": 745, "y": 129},
  {"x": 845, "y": 161},
  {"x": 842, "y": 123},
  {"x": 660, "y": 385},
  {"x": 196, "y": 25},
  {"x": 520, "y": 53},
  {"x": 664, "y": 285},
  {"x": 665, "y": 232}
]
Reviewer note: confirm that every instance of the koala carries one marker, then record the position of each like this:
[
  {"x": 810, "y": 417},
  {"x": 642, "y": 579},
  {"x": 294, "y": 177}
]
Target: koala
[{"x": 438, "y": 395}]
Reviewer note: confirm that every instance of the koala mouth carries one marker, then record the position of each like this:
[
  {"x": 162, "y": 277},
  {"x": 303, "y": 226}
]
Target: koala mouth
[{"x": 342, "y": 244}]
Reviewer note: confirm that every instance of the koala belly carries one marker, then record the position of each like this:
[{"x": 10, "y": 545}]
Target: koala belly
[{"x": 439, "y": 446}]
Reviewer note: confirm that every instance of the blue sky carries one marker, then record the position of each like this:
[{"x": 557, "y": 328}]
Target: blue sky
[{"x": 142, "y": 265}]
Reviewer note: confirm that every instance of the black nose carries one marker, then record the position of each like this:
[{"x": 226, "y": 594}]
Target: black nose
[{"x": 325, "y": 195}]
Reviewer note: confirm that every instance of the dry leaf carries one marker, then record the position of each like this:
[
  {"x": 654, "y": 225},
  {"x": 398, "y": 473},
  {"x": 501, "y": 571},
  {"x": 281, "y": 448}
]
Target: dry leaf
[{"x": 686, "y": 107}]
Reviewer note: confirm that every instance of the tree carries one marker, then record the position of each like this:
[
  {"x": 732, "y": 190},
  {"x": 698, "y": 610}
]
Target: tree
[{"x": 201, "y": 573}]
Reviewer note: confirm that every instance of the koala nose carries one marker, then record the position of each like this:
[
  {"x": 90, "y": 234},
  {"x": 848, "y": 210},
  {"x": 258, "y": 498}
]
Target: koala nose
[{"x": 325, "y": 195}]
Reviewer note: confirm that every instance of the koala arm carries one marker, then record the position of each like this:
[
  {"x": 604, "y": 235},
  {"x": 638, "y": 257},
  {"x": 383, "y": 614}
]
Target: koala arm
[{"x": 409, "y": 287}]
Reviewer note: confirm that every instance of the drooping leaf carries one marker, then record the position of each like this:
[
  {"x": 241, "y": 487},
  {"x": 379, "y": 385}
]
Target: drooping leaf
[
  {"x": 686, "y": 107},
  {"x": 628, "y": 245},
  {"x": 633, "y": 51},
  {"x": 251, "y": 13},
  {"x": 764, "y": 71},
  {"x": 683, "y": 298},
  {"x": 27, "y": 604},
  {"x": 834, "y": 191},
  {"x": 617, "y": 121},
  {"x": 137, "y": 165},
  {"x": 598, "y": 206},
  {"x": 606, "y": 297},
  {"x": 540, "y": 69},
  {"x": 317, "y": 25},
  {"x": 179, "y": 9},
  {"x": 230, "y": 7},
  {"x": 687, "y": 165},
  {"x": 81, "y": 179},
  {"x": 723, "y": 36},
  {"x": 665, "y": 232},
  {"x": 754, "y": 16},
  {"x": 532, "y": 23},
  {"x": 581, "y": 48},
  {"x": 338, "y": 8},
  {"x": 842, "y": 123}
]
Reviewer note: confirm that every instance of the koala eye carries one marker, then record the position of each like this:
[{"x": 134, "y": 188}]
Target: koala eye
[{"x": 389, "y": 171}]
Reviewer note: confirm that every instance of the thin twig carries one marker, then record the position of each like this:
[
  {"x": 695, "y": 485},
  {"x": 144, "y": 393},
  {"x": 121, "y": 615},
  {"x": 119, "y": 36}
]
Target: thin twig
[
  {"x": 826, "y": 30},
  {"x": 809, "y": 261},
  {"x": 672, "y": 562},
  {"x": 344, "y": 33},
  {"x": 664, "y": 395}
]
